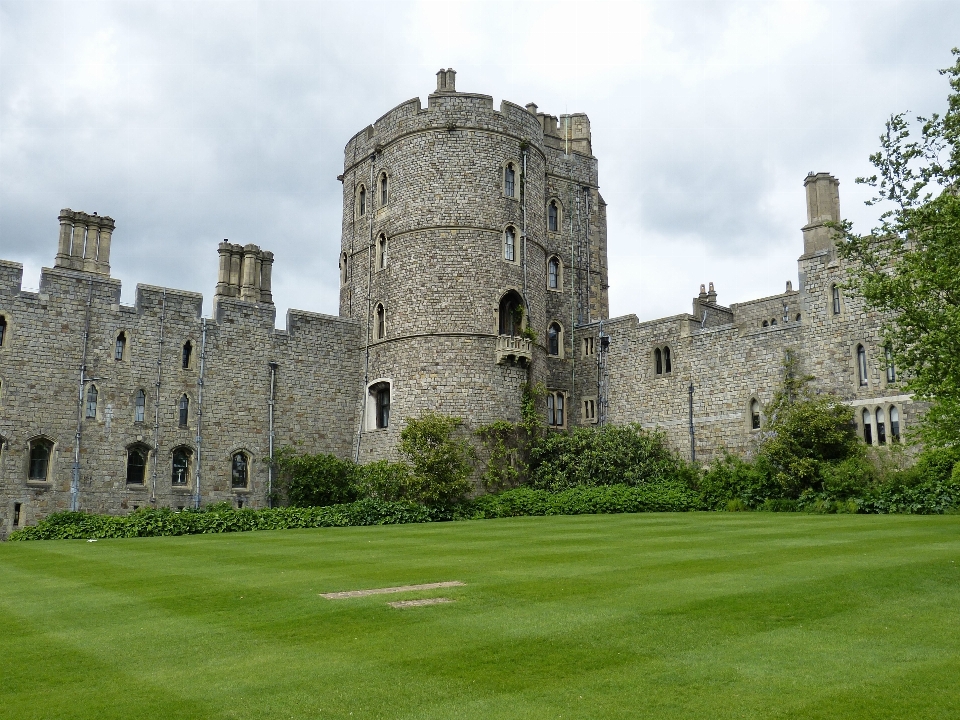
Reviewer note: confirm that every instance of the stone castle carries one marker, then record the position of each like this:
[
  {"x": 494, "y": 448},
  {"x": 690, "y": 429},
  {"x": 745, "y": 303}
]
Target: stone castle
[{"x": 473, "y": 260}]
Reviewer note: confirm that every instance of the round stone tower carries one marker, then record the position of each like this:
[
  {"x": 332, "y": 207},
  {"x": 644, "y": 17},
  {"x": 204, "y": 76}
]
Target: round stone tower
[{"x": 445, "y": 260}]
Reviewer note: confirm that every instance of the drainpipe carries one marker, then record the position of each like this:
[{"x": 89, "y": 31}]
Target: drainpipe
[
  {"x": 693, "y": 444},
  {"x": 573, "y": 329},
  {"x": 366, "y": 352},
  {"x": 203, "y": 354},
  {"x": 523, "y": 204},
  {"x": 156, "y": 406},
  {"x": 589, "y": 268},
  {"x": 75, "y": 479},
  {"x": 270, "y": 405}
]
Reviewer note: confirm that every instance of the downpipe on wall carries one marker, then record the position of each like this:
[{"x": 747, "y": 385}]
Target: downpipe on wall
[
  {"x": 156, "y": 405},
  {"x": 271, "y": 403},
  {"x": 75, "y": 477},
  {"x": 203, "y": 355}
]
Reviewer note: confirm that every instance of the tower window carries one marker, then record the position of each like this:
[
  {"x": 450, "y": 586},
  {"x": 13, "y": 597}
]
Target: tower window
[
  {"x": 553, "y": 273},
  {"x": 383, "y": 189},
  {"x": 181, "y": 466},
  {"x": 867, "y": 429},
  {"x": 238, "y": 471},
  {"x": 881, "y": 428},
  {"x": 509, "y": 244},
  {"x": 381, "y": 252},
  {"x": 184, "y": 410},
  {"x": 553, "y": 213},
  {"x": 187, "y": 353},
  {"x": 509, "y": 180},
  {"x": 555, "y": 409},
  {"x": 754, "y": 415},
  {"x": 362, "y": 201},
  {"x": 511, "y": 314},
  {"x": 666, "y": 361},
  {"x": 765, "y": 323},
  {"x": 92, "y": 401},
  {"x": 40, "y": 451},
  {"x": 658, "y": 361},
  {"x": 121, "y": 346},
  {"x": 381, "y": 322},
  {"x": 136, "y": 465},
  {"x": 343, "y": 268},
  {"x": 862, "y": 365},
  {"x": 891, "y": 369},
  {"x": 553, "y": 339},
  {"x": 381, "y": 395},
  {"x": 836, "y": 299},
  {"x": 894, "y": 423},
  {"x": 139, "y": 404},
  {"x": 3, "y": 329}
]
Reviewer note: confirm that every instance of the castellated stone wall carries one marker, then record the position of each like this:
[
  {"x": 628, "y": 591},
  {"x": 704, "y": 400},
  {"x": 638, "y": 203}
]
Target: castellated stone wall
[{"x": 317, "y": 376}]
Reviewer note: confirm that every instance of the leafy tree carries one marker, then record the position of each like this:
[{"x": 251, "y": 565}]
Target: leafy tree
[
  {"x": 311, "y": 480},
  {"x": 804, "y": 431},
  {"x": 441, "y": 462},
  {"x": 909, "y": 265}
]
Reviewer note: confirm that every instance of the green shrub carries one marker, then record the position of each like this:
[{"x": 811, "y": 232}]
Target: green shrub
[
  {"x": 314, "y": 480},
  {"x": 385, "y": 480},
  {"x": 849, "y": 478},
  {"x": 736, "y": 505},
  {"x": 441, "y": 461},
  {"x": 733, "y": 478},
  {"x": 610, "y": 455},
  {"x": 779, "y": 505}
]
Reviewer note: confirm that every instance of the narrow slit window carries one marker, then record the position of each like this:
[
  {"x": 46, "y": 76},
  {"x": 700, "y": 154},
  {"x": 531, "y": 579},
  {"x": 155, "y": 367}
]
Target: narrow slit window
[
  {"x": 187, "y": 353},
  {"x": 3, "y": 329},
  {"x": 553, "y": 213},
  {"x": 343, "y": 268},
  {"x": 509, "y": 180},
  {"x": 92, "y": 401},
  {"x": 553, "y": 274},
  {"x": 553, "y": 339},
  {"x": 550, "y": 410},
  {"x": 381, "y": 394},
  {"x": 836, "y": 299},
  {"x": 666, "y": 360},
  {"x": 891, "y": 368},
  {"x": 559, "y": 410},
  {"x": 184, "y": 410},
  {"x": 867, "y": 428},
  {"x": 509, "y": 244},
  {"x": 121, "y": 346},
  {"x": 862, "y": 365},
  {"x": 381, "y": 252},
  {"x": 362, "y": 202},
  {"x": 381, "y": 322},
  {"x": 383, "y": 189},
  {"x": 755, "y": 415},
  {"x": 139, "y": 406},
  {"x": 658, "y": 361},
  {"x": 881, "y": 428},
  {"x": 238, "y": 471}
]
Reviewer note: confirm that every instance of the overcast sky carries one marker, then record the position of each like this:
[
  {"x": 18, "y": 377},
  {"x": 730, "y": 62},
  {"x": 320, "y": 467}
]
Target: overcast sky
[{"x": 190, "y": 122}]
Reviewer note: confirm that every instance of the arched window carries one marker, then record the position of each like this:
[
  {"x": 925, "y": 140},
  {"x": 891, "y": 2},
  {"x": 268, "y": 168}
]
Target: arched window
[
  {"x": 553, "y": 273},
  {"x": 765, "y": 323},
  {"x": 553, "y": 216},
  {"x": 754, "y": 414},
  {"x": 139, "y": 405},
  {"x": 510, "y": 244},
  {"x": 553, "y": 339},
  {"x": 881, "y": 428},
  {"x": 666, "y": 360},
  {"x": 511, "y": 314},
  {"x": 835, "y": 291},
  {"x": 121, "y": 346},
  {"x": 773, "y": 322},
  {"x": 658, "y": 361},
  {"x": 509, "y": 180},
  {"x": 40, "y": 451},
  {"x": 187, "y": 353},
  {"x": 381, "y": 252},
  {"x": 381, "y": 322},
  {"x": 343, "y": 268},
  {"x": 383, "y": 189},
  {"x": 181, "y": 466},
  {"x": 3, "y": 329},
  {"x": 862, "y": 365},
  {"x": 184, "y": 410},
  {"x": 891, "y": 369},
  {"x": 867, "y": 429},
  {"x": 798, "y": 317},
  {"x": 894, "y": 423},
  {"x": 238, "y": 470},
  {"x": 92, "y": 401},
  {"x": 362, "y": 201},
  {"x": 136, "y": 464}
]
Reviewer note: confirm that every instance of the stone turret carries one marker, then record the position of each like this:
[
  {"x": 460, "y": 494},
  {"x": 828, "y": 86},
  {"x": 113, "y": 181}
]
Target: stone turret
[
  {"x": 823, "y": 206},
  {"x": 245, "y": 273},
  {"x": 84, "y": 242}
]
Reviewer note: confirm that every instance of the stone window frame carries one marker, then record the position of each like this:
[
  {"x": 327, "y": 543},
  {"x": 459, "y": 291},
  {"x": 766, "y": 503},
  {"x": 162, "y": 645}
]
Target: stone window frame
[
  {"x": 557, "y": 402},
  {"x": 516, "y": 244},
  {"x": 835, "y": 301},
  {"x": 358, "y": 191},
  {"x": 188, "y": 475},
  {"x": 754, "y": 420},
  {"x": 371, "y": 419},
  {"x": 865, "y": 420},
  {"x": 895, "y": 437},
  {"x": 663, "y": 360},
  {"x": 880, "y": 424},
  {"x": 125, "y": 352},
  {"x": 546, "y": 215},
  {"x": 559, "y": 287},
  {"x": 588, "y": 409},
  {"x": 559, "y": 355},
  {"x": 180, "y": 410},
  {"x": 889, "y": 368},
  {"x": 18, "y": 514},
  {"x": 861, "y": 372},
  {"x": 383, "y": 176},
  {"x": 191, "y": 356},
  {"x": 248, "y": 456},
  {"x": 516, "y": 178},
  {"x": 343, "y": 269},
  {"x": 4, "y": 330},
  {"x": 46, "y": 480},
  {"x": 524, "y": 322},
  {"x": 138, "y": 446},
  {"x": 589, "y": 346},
  {"x": 380, "y": 324},
  {"x": 135, "y": 397},
  {"x": 380, "y": 262},
  {"x": 91, "y": 401}
]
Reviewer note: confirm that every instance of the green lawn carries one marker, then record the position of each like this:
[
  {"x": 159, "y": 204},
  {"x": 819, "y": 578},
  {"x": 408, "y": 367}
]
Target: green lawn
[{"x": 696, "y": 615}]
